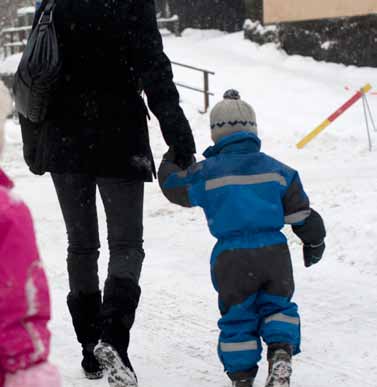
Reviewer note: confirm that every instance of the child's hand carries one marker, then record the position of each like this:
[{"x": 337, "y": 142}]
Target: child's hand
[{"x": 313, "y": 253}]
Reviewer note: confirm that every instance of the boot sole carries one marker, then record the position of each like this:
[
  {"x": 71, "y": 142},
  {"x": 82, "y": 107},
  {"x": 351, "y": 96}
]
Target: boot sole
[
  {"x": 245, "y": 384},
  {"x": 93, "y": 375},
  {"x": 280, "y": 374},
  {"x": 118, "y": 374}
]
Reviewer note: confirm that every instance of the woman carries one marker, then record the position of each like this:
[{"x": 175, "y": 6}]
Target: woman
[{"x": 96, "y": 134}]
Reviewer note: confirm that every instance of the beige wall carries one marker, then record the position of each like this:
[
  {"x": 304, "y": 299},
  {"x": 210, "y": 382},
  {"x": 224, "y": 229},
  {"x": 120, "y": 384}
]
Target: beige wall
[{"x": 295, "y": 10}]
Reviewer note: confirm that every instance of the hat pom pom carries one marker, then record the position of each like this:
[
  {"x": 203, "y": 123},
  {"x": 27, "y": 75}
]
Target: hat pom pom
[{"x": 232, "y": 94}]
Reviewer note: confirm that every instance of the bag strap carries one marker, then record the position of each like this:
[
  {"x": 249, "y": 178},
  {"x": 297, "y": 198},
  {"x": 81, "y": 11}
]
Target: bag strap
[{"x": 46, "y": 15}]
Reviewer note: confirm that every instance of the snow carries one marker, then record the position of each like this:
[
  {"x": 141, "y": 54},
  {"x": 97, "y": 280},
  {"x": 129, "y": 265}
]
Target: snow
[
  {"x": 174, "y": 337},
  {"x": 256, "y": 25},
  {"x": 328, "y": 44},
  {"x": 168, "y": 19},
  {"x": 26, "y": 11},
  {"x": 10, "y": 64}
]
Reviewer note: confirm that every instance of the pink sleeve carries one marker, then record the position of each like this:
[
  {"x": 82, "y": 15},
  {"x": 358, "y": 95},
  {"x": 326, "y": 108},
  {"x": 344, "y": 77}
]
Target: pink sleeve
[{"x": 24, "y": 297}]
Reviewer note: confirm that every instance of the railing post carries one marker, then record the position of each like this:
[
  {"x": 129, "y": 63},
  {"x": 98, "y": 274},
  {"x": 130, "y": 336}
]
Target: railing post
[
  {"x": 206, "y": 91},
  {"x": 11, "y": 47},
  {"x": 4, "y": 41},
  {"x": 20, "y": 40}
]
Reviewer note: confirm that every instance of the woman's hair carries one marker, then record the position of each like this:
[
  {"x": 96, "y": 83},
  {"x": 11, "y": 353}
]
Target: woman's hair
[{"x": 5, "y": 108}]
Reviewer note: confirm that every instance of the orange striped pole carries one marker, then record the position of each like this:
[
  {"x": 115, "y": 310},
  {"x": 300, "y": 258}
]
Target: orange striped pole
[{"x": 309, "y": 137}]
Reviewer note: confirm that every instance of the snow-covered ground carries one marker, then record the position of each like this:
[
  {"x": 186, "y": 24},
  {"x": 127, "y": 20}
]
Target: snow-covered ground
[{"x": 174, "y": 338}]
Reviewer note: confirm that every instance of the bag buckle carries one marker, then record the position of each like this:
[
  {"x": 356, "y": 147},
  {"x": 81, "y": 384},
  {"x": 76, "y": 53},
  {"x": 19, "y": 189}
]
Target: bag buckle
[{"x": 46, "y": 18}]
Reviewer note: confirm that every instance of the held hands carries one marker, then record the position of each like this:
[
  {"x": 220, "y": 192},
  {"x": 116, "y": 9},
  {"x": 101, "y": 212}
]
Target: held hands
[
  {"x": 313, "y": 253},
  {"x": 169, "y": 155},
  {"x": 179, "y": 157},
  {"x": 184, "y": 160}
]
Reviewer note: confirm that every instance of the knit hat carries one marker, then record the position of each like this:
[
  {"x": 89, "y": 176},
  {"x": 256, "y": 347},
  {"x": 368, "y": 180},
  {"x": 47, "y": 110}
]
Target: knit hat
[
  {"x": 232, "y": 115},
  {"x": 5, "y": 107}
]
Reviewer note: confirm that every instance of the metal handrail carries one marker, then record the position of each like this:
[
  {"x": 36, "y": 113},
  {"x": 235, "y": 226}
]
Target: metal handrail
[
  {"x": 14, "y": 39},
  {"x": 193, "y": 68},
  {"x": 13, "y": 45},
  {"x": 205, "y": 90},
  {"x": 16, "y": 29}
]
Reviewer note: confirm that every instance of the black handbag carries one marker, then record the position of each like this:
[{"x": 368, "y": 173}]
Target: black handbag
[{"x": 39, "y": 70}]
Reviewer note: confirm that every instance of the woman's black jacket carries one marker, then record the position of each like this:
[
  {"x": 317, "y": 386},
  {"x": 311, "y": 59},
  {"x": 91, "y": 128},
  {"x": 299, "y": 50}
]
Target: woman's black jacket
[{"x": 96, "y": 122}]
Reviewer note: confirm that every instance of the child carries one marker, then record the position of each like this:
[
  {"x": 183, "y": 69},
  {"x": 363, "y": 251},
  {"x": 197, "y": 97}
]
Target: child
[
  {"x": 247, "y": 197},
  {"x": 24, "y": 298}
]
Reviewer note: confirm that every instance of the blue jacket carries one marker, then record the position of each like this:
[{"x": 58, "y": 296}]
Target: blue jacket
[{"x": 247, "y": 196}]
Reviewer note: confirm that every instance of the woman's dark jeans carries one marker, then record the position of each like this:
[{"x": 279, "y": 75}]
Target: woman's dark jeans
[{"x": 123, "y": 203}]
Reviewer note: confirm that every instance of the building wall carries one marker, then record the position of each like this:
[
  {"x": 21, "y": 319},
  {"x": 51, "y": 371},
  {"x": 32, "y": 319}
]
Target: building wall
[{"x": 276, "y": 11}]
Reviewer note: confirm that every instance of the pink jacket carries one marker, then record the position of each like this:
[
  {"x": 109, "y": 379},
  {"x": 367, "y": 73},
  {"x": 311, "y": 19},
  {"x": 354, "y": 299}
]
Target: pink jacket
[{"x": 24, "y": 296}]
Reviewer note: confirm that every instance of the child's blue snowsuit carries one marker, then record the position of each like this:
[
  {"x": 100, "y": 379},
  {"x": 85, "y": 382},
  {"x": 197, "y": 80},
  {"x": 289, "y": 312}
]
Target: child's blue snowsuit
[{"x": 247, "y": 197}]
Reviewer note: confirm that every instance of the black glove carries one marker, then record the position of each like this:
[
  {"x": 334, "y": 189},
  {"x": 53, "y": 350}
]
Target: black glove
[
  {"x": 181, "y": 156},
  {"x": 184, "y": 160},
  {"x": 169, "y": 155},
  {"x": 313, "y": 253}
]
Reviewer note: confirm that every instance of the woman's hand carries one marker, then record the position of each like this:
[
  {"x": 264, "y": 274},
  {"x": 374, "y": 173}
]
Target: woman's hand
[{"x": 182, "y": 157}]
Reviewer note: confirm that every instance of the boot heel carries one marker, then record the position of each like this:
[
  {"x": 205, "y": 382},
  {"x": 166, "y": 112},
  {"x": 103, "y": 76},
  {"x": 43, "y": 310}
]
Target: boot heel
[{"x": 90, "y": 365}]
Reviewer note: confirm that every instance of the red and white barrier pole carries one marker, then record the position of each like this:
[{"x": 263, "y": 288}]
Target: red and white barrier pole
[{"x": 334, "y": 116}]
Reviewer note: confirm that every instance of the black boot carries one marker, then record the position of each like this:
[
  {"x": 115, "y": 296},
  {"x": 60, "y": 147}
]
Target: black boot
[
  {"x": 121, "y": 298},
  {"x": 85, "y": 311},
  {"x": 243, "y": 383},
  {"x": 92, "y": 368},
  {"x": 244, "y": 378},
  {"x": 117, "y": 365}
]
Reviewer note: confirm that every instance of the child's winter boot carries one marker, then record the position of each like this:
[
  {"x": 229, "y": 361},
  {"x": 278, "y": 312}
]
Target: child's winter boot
[
  {"x": 243, "y": 378},
  {"x": 243, "y": 383},
  {"x": 280, "y": 368},
  {"x": 85, "y": 312}
]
